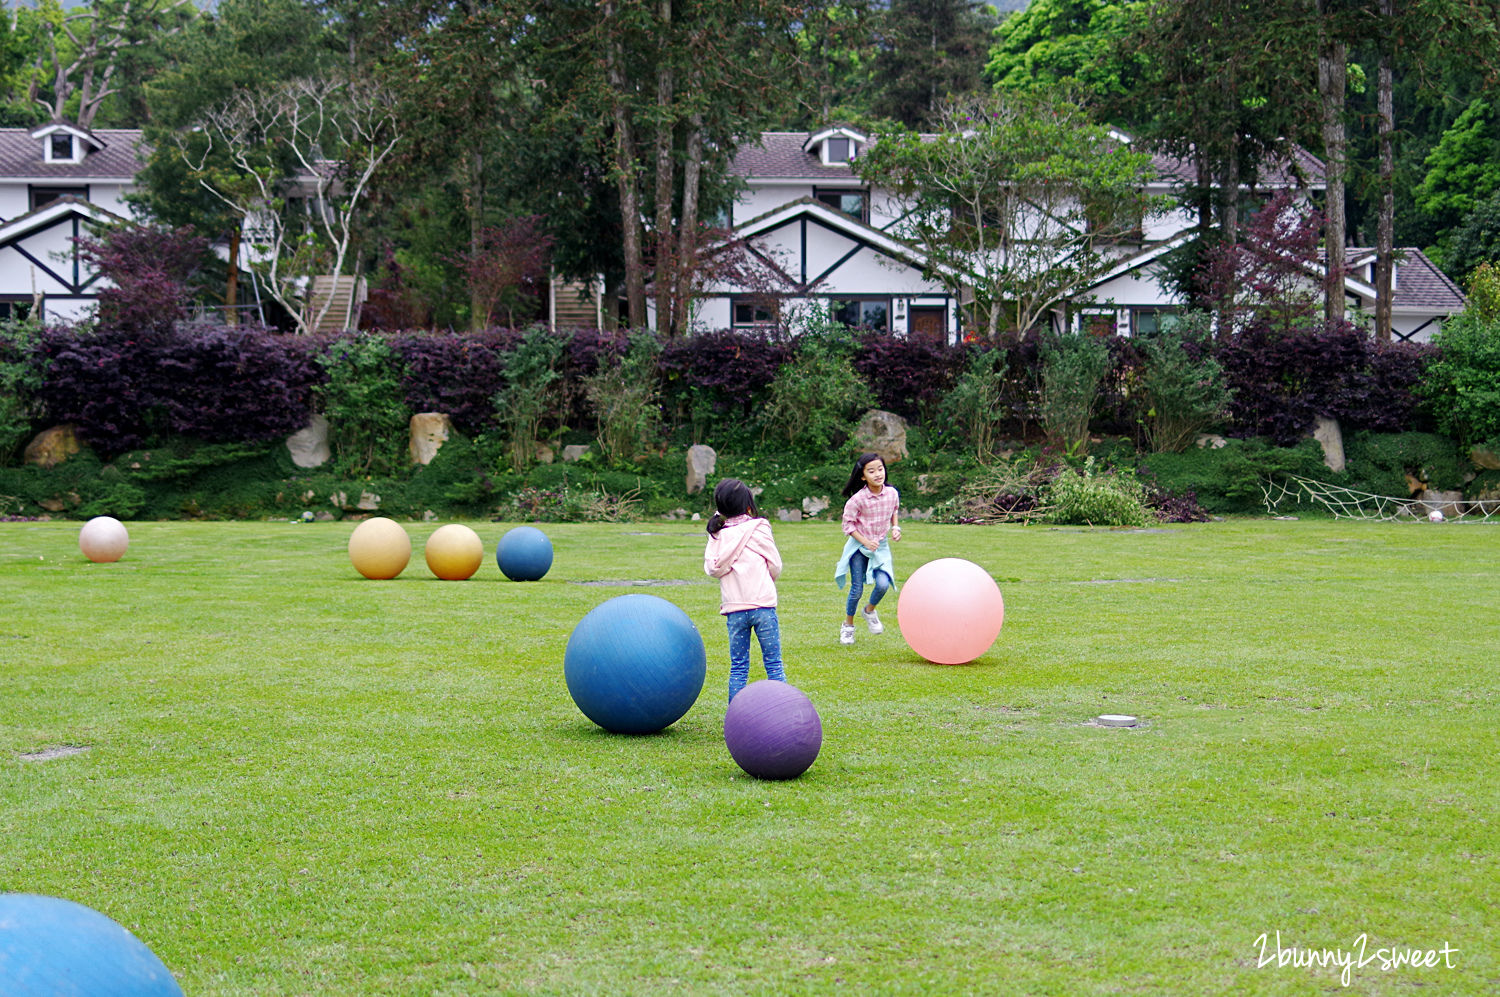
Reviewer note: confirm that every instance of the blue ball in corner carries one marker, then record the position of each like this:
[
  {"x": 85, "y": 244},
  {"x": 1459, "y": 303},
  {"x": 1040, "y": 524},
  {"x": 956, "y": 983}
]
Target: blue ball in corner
[
  {"x": 51, "y": 947},
  {"x": 635, "y": 664},
  {"x": 524, "y": 554}
]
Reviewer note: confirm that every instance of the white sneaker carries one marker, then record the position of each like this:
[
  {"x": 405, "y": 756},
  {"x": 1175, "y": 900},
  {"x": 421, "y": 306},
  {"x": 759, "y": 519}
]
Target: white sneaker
[
  {"x": 846, "y": 633},
  {"x": 872, "y": 620}
]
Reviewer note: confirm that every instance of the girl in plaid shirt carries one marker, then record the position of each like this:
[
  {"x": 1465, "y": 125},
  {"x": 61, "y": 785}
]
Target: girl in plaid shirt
[{"x": 870, "y": 524}]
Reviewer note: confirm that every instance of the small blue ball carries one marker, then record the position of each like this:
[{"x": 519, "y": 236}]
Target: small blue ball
[
  {"x": 635, "y": 664},
  {"x": 57, "y": 948},
  {"x": 524, "y": 554}
]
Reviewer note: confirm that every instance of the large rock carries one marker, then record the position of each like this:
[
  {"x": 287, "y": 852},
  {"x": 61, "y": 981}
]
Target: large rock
[
  {"x": 1485, "y": 458},
  {"x": 51, "y": 447},
  {"x": 573, "y": 452},
  {"x": 814, "y": 504},
  {"x": 428, "y": 432},
  {"x": 1331, "y": 439},
  {"x": 881, "y": 432},
  {"x": 700, "y": 464},
  {"x": 309, "y": 445}
]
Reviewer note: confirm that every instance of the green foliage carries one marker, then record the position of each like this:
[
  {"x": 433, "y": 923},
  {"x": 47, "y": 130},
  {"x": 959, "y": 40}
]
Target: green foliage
[
  {"x": 369, "y": 423},
  {"x": 1180, "y": 395},
  {"x": 1073, "y": 369},
  {"x": 624, "y": 398},
  {"x": 1229, "y": 479},
  {"x": 1379, "y": 463},
  {"x": 20, "y": 379},
  {"x": 1092, "y": 496},
  {"x": 817, "y": 394},
  {"x": 1462, "y": 385},
  {"x": 1475, "y": 242},
  {"x": 972, "y": 406},
  {"x": 1464, "y": 168},
  {"x": 1071, "y": 43},
  {"x": 530, "y": 394}
]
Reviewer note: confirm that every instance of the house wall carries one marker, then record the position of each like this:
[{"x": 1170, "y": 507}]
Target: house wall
[{"x": 15, "y": 196}]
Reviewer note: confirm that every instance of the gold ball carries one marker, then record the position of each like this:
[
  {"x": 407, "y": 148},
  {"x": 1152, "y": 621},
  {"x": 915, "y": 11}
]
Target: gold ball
[
  {"x": 379, "y": 548},
  {"x": 454, "y": 552}
]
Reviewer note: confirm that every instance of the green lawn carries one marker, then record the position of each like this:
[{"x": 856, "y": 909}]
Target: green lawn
[{"x": 298, "y": 781}]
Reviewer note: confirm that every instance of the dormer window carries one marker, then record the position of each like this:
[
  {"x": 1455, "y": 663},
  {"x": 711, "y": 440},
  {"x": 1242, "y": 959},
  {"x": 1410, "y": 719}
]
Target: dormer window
[
  {"x": 835, "y": 146},
  {"x": 60, "y": 147},
  {"x": 840, "y": 150}
]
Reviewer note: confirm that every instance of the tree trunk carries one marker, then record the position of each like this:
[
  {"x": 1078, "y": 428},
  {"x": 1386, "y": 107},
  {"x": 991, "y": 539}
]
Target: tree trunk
[
  {"x": 479, "y": 313},
  {"x": 1331, "y": 82},
  {"x": 667, "y": 255},
  {"x": 232, "y": 283},
  {"x": 625, "y": 171},
  {"x": 687, "y": 235},
  {"x": 1385, "y": 262}
]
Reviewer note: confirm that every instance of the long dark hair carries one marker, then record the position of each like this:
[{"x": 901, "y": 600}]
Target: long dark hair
[
  {"x": 732, "y": 498},
  {"x": 857, "y": 476}
]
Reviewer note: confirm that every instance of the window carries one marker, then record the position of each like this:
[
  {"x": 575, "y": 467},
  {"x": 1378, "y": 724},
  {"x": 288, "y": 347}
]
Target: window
[
  {"x": 839, "y": 150},
  {"x": 863, "y": 313},
  {"x": 61, "y": 145},
  {"x": 14, "y": 308},
  {"x": 753, "y": 313},
  {"x": 43, "y": 196},
  {"x": 1150, "y": 321},
  {"x": 1097, "y": 323},
  {"x": 853, "y": 203}
]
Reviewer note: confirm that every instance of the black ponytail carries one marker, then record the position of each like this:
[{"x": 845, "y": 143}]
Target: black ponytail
[{"x": 731, "y": 498}]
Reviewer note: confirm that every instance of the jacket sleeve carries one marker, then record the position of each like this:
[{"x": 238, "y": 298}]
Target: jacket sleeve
[
  {"x": 764, "y": 544},
  {"x": 711, "y": 563}
]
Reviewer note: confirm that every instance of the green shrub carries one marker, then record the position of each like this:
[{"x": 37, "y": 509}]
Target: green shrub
[
  {"x": 532, "y": 391},
  {"x": 1379, "y": 462},
  {"x": 363, "y": 400},
  {"x": 624, "y": 397},
  {"x": 1090, "y": 496},
  {"x": 1462, "y": 385},
  {"x": 20, "y": 380},
  {"x": 818, "y": 394},
  {"x": 1182, "y": 390},
  {"x": 1231, "y": 478},
  {"x": 971, "y": 408},
  {"x": 1073, "y": 369}
]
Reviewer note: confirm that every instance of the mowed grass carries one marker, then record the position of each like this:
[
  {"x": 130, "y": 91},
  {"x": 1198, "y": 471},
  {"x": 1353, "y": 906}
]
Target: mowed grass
[{"x": 298, "y": 781}]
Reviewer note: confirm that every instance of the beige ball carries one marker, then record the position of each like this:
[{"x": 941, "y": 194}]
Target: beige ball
[
  {"x": 379, "y": 548},
  {"x": 454, "y": 552},
  {"x": 103, "y": 539}
]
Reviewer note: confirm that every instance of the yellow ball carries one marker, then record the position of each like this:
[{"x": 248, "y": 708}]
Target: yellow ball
[
  {"x": 103, "y": 539},
  {"x": 454, "y": 552},
  {"x": 379, "y": 548}
]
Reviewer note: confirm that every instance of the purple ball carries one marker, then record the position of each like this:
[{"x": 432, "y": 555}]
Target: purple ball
[{"x": 772, "y": 730}]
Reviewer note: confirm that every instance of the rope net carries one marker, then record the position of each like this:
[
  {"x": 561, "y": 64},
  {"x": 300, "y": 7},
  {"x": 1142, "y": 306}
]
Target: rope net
[{"x": 1350, "y": 503}]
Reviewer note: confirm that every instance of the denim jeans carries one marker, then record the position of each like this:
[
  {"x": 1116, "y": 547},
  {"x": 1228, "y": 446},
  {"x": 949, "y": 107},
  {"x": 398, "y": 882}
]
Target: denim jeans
[
  {"x": 858, "y": 565},
  {"x": 768, "y": 631}
]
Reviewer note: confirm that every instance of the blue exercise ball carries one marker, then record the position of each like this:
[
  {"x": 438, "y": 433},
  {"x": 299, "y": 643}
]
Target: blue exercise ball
[
  {"x": 524, "y": 554},
  {"x": 635, "y": 664},
  {"x": 59, "y": 948}
]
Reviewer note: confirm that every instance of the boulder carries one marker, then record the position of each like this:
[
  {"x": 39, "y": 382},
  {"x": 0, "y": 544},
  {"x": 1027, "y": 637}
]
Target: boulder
[
  {"x": 573, "y": 452},
  {"x": 1326, "y": 431},
  {"x": 881, "y": 432},
  {"x": 700, "y": 464},
  {"x": 1485, "y": 458},
  {"x": 814, "y": 504},
  {"x": 428, "y": 432},
  {"x": 309, "y": 445},
  {"x": 51, "y": 447},
  {"x": 789, "y": 515},
  {"x": 1450, "y": 504},
  {"x": 1211, "y": 441}
]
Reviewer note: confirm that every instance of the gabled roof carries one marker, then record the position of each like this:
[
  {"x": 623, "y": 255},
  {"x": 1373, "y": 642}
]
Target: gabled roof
[
  {"x": 117, "y": 154},
  {"x": 1419, "y": 285},
  {"x": 49, "y": 214},
  {"x": 794, "y": 156}
]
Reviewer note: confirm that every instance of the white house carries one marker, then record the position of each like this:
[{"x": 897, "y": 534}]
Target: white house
[
  {"x": 57, "y": 182},
  {"x": 827, "y": 239}
]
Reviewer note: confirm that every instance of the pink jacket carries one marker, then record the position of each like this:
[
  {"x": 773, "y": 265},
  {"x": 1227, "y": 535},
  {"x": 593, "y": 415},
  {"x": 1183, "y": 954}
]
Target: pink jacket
[{"x": 744, "y": 558}]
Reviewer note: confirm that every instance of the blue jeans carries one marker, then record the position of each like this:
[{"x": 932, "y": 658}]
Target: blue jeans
[
  {"x": 768, "y": 631},
  {"x": 858, "y": 565}
]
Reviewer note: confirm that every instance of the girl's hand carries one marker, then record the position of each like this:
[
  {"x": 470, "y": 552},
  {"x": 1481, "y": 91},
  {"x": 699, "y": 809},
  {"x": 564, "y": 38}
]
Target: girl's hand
[{"x": 895, "y": 533}]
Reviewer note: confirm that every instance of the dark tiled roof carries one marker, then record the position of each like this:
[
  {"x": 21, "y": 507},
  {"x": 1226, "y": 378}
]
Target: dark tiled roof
[
  {"x": 1420, "y": 284},
  {"x": 122, "y": 156},
  {"x": 779, "y": 156}
]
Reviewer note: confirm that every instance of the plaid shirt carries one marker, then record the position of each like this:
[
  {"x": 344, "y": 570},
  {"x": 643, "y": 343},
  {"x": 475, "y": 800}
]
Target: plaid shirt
[{"x": 869, "y": 514}]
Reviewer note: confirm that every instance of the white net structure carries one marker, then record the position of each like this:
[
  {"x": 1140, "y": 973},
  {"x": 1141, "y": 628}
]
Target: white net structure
[{"x": 1281, "y": 494}]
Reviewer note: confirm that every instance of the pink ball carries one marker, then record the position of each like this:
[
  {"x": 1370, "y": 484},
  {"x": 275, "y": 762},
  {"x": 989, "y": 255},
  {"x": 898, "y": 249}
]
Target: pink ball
[
  {"x": 103, "y": 539},
  {"x": 950, "y": 611}
]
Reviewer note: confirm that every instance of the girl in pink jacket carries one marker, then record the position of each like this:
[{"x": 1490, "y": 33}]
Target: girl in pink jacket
[{"x": 742, "y": 555}]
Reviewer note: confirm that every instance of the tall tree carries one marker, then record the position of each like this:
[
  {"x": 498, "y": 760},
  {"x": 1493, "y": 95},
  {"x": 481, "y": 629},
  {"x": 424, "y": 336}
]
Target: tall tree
[
  {"x": 928, "y": 51},
  {"x": 1015, "y": 202}
]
